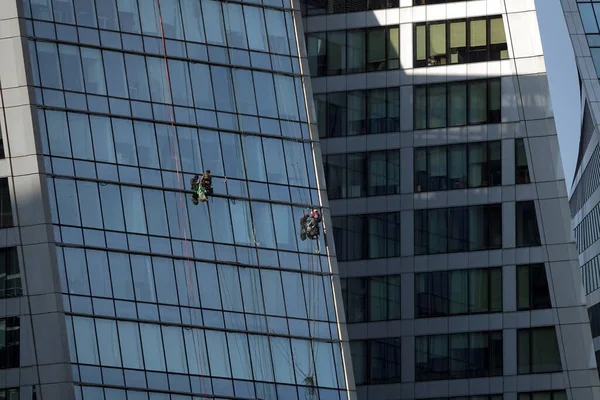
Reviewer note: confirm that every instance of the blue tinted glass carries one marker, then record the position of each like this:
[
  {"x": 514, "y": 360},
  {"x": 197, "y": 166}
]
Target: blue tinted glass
[
  {"x": 63, "y": 11},
  {"x": 70, "y": 62},
  {"x": 108, "y": 343},
  {"x": 150, "y": 17},
  {"x": 286, "y": 97},
  {"x": 255, "y": 161},
  {"x": 278, "y": 40},
  {"x": 89, "y": 203},
  {"x": 238, "y": 345},
  {"x": 171, "y": 19},
  {"x": 255, "y": 24},
  {"x": 93, "y": 71},
  {"x": 215, "y": 30},
  {"x": 120, "y": 271},
  {"x": 47, "y": 55},
  {"x": 86, "y": 13},
  {"x": 202, "y": 86},
  {"x": 107, "y": 14},
  {"x": 103, "y": 139},
  {"x": 275, "y": 160},
  {"x": 115, "y": 74},
  {"x": 133, "y": 205},
  {"x": 152, "y": 346},
  {"x": 282, "y": 360},
  {"x": 221, "y": 78},
  {"x": 58, "y": 133},
  {"x": 146, "y": 144},
  {"x": 189, "y": 145},
  {"x": 263, "y": 84},
  {"x": 154, "y": 203},
  {"x": 234, "y": 24},
  {"x": 81, "y": 137},
  {"x": 180, "y": 83},
  {"x": 136, "y": 77},
  {"x": 110, "y": 196},
  {"x": 76, "y": 268},
  {"x": 218, "y": 354},
  {"x": 143, "y": 278},
  {"x": 211, "y": 152},
  {"x": 174, "y": 349},
  {"x": 128, "y": 16},
  {"x": 192, "y": 21},
  {"x": 158, "y": 79},
  {"x": 244, "y": 91}
]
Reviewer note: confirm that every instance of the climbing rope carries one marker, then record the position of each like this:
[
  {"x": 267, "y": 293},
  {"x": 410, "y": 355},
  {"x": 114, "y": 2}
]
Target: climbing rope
[{"x": 182, "y": 224}]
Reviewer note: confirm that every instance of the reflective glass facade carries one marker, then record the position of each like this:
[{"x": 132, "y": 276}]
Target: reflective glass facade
[{"x": 161, "y": 298}]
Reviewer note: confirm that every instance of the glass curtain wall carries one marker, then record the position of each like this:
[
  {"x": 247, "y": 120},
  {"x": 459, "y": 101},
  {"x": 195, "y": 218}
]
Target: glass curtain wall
[{"x": 163, "y": 296}]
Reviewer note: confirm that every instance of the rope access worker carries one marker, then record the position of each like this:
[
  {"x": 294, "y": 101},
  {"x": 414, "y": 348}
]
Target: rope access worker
[
  {"x": 309, "y": 225},
  {"x": 202, "y": 187}
]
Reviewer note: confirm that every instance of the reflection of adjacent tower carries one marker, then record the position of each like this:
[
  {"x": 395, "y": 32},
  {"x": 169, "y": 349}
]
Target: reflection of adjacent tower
[
  {"x": 130, "y": 291},
  {"x": 449, "y": 220},
  {"x": 582, "y": 22}
]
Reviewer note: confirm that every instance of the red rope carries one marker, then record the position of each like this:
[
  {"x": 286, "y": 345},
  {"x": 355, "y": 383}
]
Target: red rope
[{"x": 173, "y": 151}]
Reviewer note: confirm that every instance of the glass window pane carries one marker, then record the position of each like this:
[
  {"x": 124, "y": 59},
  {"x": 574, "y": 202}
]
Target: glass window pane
[
  {"x": 192, "y": 21},
  {"x": 124, "y": 142},
  {"x": 99, "y": 274},
  {"x": 107, "y": 15},
  {"x": 336, "y": 53},
  {"x": 215, "y": 30},
  {"x": 70, "y": 62},
  {"x": 153, "y": 347},
  {"x": 81, "y": 136},
  {"x": 58, "y": 133},
  {"x": 218, "y": 354},
  {"x": 137, "y": 77},
  {"x": 128, "y": 16},
  {"x": 277, "y": 33},
  {"x": 86, "y": 12},
  {"x": 356, "y": 48},
  {"x": 102, "y": 137},
  {"x": 180, "y": 83},
  {"x": 376, "y": 45},
  {"x": 238, "y": 345},
  {"x": 157, "y": 75},
  {"x": 135, "y": 220},
  {"x": 437, "y": 43},
  {"x": 457, "y": 102},
  {"x": 164, "y": 273},
  {"x": 244, "y": 91},
  {"x": 477, "y": 102},
  {"x": 131, "y": 346},
  {"x": 224, "y": 97},
  {"x": 436, "y": 106},
  {"x": 120, "y": 272},
  {"x": 93, "y": 70},
  {"x": 48, "y": 58},
  {"x": 255, "y": 23},
  {"x": 174, "y": 349},
  {"x": 143, "y": 278},
  {"x": 108, "y": 342},
  {"x": 85, "y": 340}
]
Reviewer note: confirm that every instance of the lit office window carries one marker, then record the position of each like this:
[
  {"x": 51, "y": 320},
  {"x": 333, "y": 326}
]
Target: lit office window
[{"x": 459, "y": 42}]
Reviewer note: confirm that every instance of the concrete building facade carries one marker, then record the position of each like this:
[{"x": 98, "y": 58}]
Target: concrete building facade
[{"x": 448, "y": 200}]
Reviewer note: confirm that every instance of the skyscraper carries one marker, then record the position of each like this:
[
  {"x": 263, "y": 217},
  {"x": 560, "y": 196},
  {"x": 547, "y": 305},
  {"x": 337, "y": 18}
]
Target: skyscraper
[
  {"x": 583, "y": 24},
  {"x": 114, "y": 284},
  {"x": 448, "y": 201}
]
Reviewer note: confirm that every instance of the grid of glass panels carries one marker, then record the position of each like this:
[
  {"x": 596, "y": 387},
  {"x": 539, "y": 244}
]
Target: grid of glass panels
[{"x": 222, "y": 298}]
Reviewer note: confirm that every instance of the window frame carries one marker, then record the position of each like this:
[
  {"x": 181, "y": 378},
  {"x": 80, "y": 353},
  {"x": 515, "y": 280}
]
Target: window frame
[
  {"x": 530, "y": 367},
  {"x": 465, "y": 185},
  {"x": 368, "y": 359},
  {"x": 367, "y": 302},
  {"x": 428, "y": 62},
  {"x": 491, "y": 118},
  {"x": 418, "y": 308},
  {"x": 423, "y": 216},
  {"x": 531, "y": 302},
  {"x": 446, "y": 374}
]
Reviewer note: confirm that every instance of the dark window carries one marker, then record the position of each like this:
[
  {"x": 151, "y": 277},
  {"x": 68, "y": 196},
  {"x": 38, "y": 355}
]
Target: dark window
[
  {"x": 458, "y": 166},
  {"x": 526, "y": 224},
  {"x": 537, "y": 351},
  {"x": 594, "y": 314},
  {"x": 467, "y": 291},
  {"x": 353, "y": 51},
  {"x": 456, "y": 229},
  {"x": 362, "y": 174},
  {"x": 460, "y": 41},
  {"x": 10, "y": 347},
  {"x": 532, "y": 287},
  {"x": 360, "y": 237},
  {"x": 316, "y": 46},
  {"x": 371, "y": 299},
  {"x": 10, "y": 275},
  {"x": 556, "y": 395},
  {"x": 459, "y": 355},
  {"x": 598, "y": 361},
  {"x": 6, "y": 219},
  {"x": 358, "y": 113},
  {"x": 461, "y": 103},
  {"x": 521, "y": 167},
  {"x": 479, "y": 397},
  {"x": 376, "y": 361}
]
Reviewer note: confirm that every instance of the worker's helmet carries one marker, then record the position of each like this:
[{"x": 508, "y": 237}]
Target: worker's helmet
[{"x": 208, "y": 171}]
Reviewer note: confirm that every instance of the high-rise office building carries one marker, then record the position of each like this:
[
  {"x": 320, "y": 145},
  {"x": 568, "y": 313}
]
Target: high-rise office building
[
  {"x": 448, "y": 201},
  {"x": 114, "y": 284},
  {"x": 583, "y": 22}
]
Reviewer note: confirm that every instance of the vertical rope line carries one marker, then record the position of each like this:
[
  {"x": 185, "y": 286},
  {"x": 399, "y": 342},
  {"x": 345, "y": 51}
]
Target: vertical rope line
[{"x": 179, "y": 189}]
